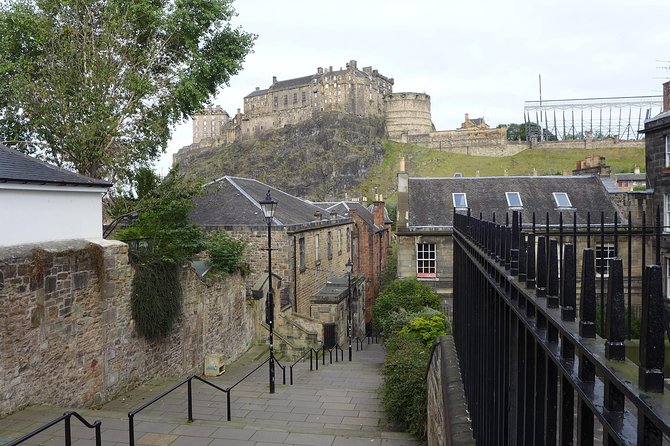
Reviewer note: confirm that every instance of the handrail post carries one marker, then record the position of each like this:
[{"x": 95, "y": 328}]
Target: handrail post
[
  {"x": 190, "y": 401},
  {"x": 228, "y": 404},
  {"x": 68, "y": 429},
  {"x": 317, "y": 359},
  {"x": 131, "y": 429},
  {"x": 291, "y": 371},
  {"x": 283, "y": 371},
  {"x": 98, "y": 435},
  {"x": 310, "y": 359}
]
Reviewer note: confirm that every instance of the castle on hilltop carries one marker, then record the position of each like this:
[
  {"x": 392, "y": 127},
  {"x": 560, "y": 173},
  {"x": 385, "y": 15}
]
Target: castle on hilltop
[
  {"x": 361, "y": 92},
  {"x": 349, "y": 90}
]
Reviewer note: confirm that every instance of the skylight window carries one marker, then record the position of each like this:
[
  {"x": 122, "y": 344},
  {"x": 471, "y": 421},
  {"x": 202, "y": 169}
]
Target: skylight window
[
  {"x": 460, "y": 200},
  {"x": 562, "y": 200},
  {"x": 514, "y": 199}
]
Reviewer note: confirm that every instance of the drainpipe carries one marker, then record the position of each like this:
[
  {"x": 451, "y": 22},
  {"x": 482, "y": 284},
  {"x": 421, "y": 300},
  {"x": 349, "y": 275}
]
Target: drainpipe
[{"x": 295, "y": 274}]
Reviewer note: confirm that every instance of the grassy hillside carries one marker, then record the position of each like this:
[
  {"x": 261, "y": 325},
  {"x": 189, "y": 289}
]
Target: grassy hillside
[{"x": 422, "y": 162}]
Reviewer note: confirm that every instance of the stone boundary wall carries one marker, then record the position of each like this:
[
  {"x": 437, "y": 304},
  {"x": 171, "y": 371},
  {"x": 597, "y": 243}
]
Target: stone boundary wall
[
  {"x": 606, "y": 143},
  {"x": 448, "y": 422},
  {"x": 67, "y": 336}
]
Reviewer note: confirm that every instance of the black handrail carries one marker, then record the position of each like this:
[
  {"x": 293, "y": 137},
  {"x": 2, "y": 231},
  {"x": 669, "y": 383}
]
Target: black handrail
[
  {"x": 131, "y": 414},
  {"x": 374, "y": 337},
  {"x": 359, "y": 343},
  {"x": 68, "y": 432},
  {"x": 283, "y": 369},
  {"x": 337, "y": 349},
  {"x": 311, "y": 351}
]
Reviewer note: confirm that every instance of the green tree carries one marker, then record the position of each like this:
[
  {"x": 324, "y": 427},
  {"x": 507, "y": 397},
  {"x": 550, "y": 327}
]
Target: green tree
[
  {"x": 96, "y": 85},
  {"x": 163, "y": 221},
  {"x": 521, "y": 132}
]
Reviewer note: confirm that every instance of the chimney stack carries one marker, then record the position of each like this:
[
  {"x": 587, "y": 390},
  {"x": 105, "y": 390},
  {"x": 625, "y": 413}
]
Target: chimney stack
[
  {"x": 636, "y": 169},
  {"x": 378, "y": 210},
  {"x": 666, "y": 96},
  {"x": 333, "y": 215},
  {"x": 318, "y": 215},
  {"x": 274, "y": 80}
]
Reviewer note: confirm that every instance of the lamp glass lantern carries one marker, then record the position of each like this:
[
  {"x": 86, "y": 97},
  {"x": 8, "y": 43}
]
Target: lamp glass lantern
[{"x": 269, "y": 206}]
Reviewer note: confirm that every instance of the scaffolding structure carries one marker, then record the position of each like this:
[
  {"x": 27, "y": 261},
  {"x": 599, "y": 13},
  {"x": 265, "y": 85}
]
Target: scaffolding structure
[{"x": 597, "y": 118}]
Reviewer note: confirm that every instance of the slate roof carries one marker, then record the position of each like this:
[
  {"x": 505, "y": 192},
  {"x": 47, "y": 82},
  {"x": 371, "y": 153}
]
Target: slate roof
[
  {"x": 608, "y": 183},
  {"x": 15, "y": 167},
  {"x": 431, "y": 203},
  {"x": 631, "y": 176},
  {"x": 343, "y": 208},
  {"x": 234, "y": 201}
]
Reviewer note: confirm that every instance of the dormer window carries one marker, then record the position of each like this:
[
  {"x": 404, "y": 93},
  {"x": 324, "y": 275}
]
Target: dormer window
[
  {"x": 514, "y": 199},
  {"x": 460, "y": 200},
  {"x": 562, "y": 200}
]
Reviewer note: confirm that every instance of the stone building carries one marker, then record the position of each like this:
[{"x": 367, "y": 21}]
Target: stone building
[
  {"x": 371, "y": 242},
  {"x": 350, "y": 90},
  {"x": 310, "y": 251},
  {"x": 426, "y": 207},
  {"x": 657, "y": 154}
]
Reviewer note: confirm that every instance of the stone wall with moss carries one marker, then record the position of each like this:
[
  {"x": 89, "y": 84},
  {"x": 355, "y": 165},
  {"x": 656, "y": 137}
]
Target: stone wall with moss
[{"x": 66, "y": 332}]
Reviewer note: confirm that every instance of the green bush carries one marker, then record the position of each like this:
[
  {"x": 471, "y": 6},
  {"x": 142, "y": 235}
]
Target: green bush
[
  {"x": 409, "y": 294},
  {"x": 403, "y": 392},
  {"x": 156, "y": 296},
  {"x": 226, "y": 254},
  {"x": 426, "y": 329}
]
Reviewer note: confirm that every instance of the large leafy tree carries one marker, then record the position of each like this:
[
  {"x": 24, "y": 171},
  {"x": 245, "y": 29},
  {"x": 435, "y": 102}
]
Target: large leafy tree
[{"x": 96, "y": 85}]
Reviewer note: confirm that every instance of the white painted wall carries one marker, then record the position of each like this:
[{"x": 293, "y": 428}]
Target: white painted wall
[{"x": 35, "y": 213}]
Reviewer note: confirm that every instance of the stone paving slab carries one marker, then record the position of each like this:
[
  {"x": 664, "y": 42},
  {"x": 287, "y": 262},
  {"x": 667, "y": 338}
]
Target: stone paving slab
[{"x": 334, "y": 406}]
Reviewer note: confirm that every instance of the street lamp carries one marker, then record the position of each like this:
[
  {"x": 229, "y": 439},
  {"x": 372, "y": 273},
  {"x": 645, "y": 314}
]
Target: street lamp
[
  {"x": 269, "y": 206},
  {"x": 350, "y": 269}
]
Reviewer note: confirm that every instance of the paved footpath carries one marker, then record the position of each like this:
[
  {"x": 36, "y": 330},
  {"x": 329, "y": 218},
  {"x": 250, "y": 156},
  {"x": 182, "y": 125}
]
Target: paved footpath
[{"x": 337, "y": 405}]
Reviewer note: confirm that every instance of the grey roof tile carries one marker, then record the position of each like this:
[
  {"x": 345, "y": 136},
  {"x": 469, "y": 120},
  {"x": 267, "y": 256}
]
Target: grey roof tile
[
  {"x": 15, "y": 167},
  {"x": 234, "y": 201},
  {"x": 431, "y": 205}
]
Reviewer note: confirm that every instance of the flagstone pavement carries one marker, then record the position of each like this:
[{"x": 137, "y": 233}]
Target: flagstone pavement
[{"x": 338, "y": 405}]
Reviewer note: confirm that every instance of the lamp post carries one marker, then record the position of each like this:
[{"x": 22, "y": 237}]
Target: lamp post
[
  {"x": 269, "y": 205},
  {"x": 350, "y": 268}
]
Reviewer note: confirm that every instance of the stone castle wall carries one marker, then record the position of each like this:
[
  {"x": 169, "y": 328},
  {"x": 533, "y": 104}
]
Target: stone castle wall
[
  {"x": 407, "y": 113},
  {"x": 67, "y": 334}
]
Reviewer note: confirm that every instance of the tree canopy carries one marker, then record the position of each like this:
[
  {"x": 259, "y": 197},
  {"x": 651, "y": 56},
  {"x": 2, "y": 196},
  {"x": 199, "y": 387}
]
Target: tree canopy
[{"x": 96, "y": 85}]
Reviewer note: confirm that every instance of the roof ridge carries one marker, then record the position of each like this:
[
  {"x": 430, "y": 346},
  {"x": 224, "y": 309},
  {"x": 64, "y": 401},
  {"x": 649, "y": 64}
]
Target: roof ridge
[{"x": 249, "y": 197}]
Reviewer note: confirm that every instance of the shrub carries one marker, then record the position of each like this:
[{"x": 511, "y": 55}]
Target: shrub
[
  {"x": 226, "y": 253},
  {"x": 403, "y": 392},
  {"x": 425, "y": 329},
  {"x": 156, "y": 296},
  {"x": 409, "y": 294}
]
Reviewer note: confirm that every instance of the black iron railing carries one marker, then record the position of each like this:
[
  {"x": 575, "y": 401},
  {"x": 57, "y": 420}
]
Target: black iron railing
[
  {"x": 66, "y": 419},
  {"x": 313, "y": 361},
  {"x": 529, "y": 354},
  {"x": 188, "y": 382},
  {"x": 339, "y": 353}
]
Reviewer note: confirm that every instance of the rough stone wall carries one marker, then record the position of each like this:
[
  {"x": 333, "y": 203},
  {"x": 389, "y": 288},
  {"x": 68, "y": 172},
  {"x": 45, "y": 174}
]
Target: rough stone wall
[
  {"x": 67, "y": 334},
  {"x": 447, "y": 422},
  {"x": 473, "y": 141},
  {"x": 407, "y": 113}
]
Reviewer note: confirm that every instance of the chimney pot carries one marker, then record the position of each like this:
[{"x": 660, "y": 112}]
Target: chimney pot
[{"x": 319, "y": 70}]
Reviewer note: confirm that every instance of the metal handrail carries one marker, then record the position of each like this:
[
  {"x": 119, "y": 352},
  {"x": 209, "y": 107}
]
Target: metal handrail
[
  {"x": 359, "y": 343},
  {"x": 337, "y": 349},
  {"x": 311, "y": 351},
  {"x": 283, "y": 369},
  {"x": 68, "y": 432},
  {"x": 131, "y": 414}
]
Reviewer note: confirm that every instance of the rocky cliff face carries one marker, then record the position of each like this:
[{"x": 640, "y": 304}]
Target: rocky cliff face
[{"x": 317, "y": 159}]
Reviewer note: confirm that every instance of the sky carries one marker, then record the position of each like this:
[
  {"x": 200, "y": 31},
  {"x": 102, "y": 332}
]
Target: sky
[{"x": 482, "y": 58}]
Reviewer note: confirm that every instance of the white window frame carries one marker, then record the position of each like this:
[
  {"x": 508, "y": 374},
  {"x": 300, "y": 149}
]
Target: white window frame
[
  {"x": 563, "y": 194},
  {"x": 667, "y": 150},
  {"x": 465, "y": 200},
  {"x": 666, "y": 213},
  {"x": 609, "y": 247},
  {"x": 426, "y": 261},
  {"x": 317, "y": 257},
  {"x": 509, "y": 203}
]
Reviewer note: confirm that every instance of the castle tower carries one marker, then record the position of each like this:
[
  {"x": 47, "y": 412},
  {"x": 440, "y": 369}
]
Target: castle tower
[{"x": 407, "y": 113}]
